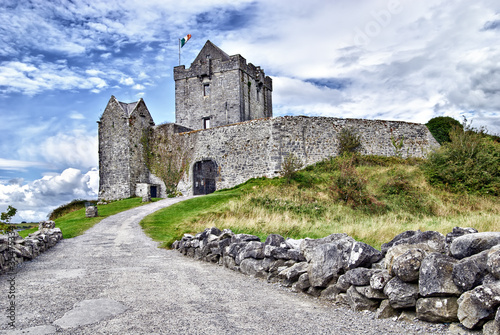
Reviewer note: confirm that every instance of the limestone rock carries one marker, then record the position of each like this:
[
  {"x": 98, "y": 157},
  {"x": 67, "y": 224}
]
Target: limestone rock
[
  {"x": 492, "y": 327},
  {"x": 470, "y": 271},
  {"x": 430, "y": 241},
  {"x": 407, "y": 265},
  {"x": 385, "y": 310},
  {"x": 252, "y": 249},
  {"x": 457, "y": 232},
  {"x": 438, "y": 309},
  {"x": 478, "y": 305},
  {"x": 50, "y": 224},
  {"x": 493, "y": 262},
  {"x": 331, "y": 293},
  {"x": 274, "y": 240},
  {"x": 326, "y": 259},
  {"x": 238, "y": 238},
  {"x": 252, "y": 267},
  {"x": 471, "y": 244},
  {"x": 436, "y": 276},
  {"x": 91, "y": 212},
  {"x": 302, "y": 283},
  {"x": 291, "y": 243},
  {"x": 370, "y": 293},
  {"x": 358, "y": 302},
  {"x": 293, "y": 273},
  {"x": 400, "y": 293},
  {"x": 407, "y": 316},
  {"x": 380, "y": 279},
  {"x": 359, "y": 276},
  {"x": 308, "y": 246},
  {"x": 363, "y": 255}
]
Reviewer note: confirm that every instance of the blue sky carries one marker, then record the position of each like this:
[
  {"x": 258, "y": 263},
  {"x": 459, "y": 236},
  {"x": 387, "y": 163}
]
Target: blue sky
[{"x": 61, "y": 60}]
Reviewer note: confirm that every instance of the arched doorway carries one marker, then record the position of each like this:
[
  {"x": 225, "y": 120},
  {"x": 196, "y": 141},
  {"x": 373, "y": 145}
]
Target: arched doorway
[{"x": 204, "y": 175}]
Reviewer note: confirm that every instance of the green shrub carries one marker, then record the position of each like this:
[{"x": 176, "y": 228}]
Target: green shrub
[
  {"x": 349, "y": 140},
  {"x": 351, "y": 187},
  {"x": 291, "y": 164},
  {"x": 72, "y": 206},
  {"x": 468, "y": 163},
  {"x": 441, "y": 126}
]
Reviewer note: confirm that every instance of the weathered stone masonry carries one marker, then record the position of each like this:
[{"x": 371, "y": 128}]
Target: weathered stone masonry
[
  {"x": 226, "y": 134},
  {"x": 257, "y": 148}
]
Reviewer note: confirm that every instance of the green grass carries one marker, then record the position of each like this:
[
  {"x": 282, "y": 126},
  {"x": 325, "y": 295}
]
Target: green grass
[
  {"x": 75, "y": 223},
  {"x": 396, "y": 197}
]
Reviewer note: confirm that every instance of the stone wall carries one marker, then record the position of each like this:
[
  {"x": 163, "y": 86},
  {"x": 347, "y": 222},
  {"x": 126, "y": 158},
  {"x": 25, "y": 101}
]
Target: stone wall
[
  {"x": 257, "y": 148},
  {"x": 15, "y": 250},
  {"x": 422, "y": 275}
]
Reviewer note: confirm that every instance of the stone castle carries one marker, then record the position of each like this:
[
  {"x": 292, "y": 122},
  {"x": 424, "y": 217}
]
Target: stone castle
[{"x": 225, "y": 133}]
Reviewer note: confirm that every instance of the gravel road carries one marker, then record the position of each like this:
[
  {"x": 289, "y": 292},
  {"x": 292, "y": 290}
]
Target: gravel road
[{"x": 114, "y": 280}]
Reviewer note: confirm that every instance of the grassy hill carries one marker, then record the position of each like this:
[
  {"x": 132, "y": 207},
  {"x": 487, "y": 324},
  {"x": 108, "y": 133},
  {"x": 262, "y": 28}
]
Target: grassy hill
[{"x": 368, "y": 197}]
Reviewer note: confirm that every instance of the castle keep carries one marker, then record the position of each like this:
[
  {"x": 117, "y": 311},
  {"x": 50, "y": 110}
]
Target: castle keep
[{"x": 225, "y": 134}]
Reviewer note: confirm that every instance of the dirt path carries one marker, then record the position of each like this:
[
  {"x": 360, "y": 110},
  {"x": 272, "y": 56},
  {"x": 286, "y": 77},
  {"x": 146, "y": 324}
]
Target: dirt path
[{"x": 114, "y": 280}]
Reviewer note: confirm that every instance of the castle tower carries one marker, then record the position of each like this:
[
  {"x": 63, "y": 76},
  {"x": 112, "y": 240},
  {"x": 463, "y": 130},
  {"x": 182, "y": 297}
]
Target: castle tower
[
  {"x": 121, "y": 156},
  {"x": 219, "y": 89}
]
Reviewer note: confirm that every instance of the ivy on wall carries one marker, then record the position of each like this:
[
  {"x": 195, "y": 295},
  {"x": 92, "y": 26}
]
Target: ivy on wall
[{"x": 166, "y": 155}]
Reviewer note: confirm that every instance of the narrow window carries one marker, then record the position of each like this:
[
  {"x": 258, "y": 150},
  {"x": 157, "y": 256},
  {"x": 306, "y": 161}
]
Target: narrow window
[
  {"x": 206, "y": 123},
  {"x": 206, "y": 90}
]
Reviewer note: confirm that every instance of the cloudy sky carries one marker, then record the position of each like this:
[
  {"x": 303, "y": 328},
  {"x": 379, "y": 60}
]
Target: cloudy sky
[{"x": 61, "y": 60}]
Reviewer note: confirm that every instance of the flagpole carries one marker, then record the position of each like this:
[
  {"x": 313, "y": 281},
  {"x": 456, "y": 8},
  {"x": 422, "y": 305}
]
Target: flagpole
[{"x": 179, "y": 52}]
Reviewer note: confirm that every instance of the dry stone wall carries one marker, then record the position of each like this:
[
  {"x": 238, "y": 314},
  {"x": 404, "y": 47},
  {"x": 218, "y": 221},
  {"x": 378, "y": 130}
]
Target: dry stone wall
[
  {"x": 435, "y": 278},
  {"x": 15, "y": 250}
]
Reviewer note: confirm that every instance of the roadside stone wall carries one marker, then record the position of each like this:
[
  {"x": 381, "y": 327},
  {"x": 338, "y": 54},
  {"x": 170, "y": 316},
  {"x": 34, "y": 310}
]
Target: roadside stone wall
[
  {"x": 424, "y": 275},
  {"x": 15, "y": 250},
  {"x": 258, "y": 148}
]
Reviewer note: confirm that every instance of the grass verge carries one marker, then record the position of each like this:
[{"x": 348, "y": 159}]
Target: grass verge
[
  {"x": 390, "y": 196},
  {"x": 75, "y": 223}
]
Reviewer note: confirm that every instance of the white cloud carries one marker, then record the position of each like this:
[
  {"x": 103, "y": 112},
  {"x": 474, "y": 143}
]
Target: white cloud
[
  {"x": 138, "y": 87},
  {"x": 17, "y": 165},
  {"x": 76, "y": 148},
  {"x": 76, "y": 116},
  {"x": 35, "y": 200}
]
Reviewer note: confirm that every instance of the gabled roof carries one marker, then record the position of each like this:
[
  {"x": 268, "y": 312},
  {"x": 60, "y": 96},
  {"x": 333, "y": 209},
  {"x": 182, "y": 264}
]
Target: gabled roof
[
  {"x": 128, "y": 108},
  {"x": 211, "y": 51}
]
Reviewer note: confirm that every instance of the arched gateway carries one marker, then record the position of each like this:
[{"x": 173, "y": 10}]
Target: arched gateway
[{"x": 204, "y": 175}]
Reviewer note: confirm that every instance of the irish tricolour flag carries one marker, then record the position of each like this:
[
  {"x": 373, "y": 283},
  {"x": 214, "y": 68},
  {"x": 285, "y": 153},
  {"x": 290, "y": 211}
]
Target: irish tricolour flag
[{"x": 185, "y": 39}]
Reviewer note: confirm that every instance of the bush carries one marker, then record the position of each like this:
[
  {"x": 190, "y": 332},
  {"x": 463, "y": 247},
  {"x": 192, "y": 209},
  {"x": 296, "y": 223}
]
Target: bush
[
  {"x": 468, "y": 163},
  {"x": 441, "y": 126},
  {"x": 350, "y": 187},
  {"x": 72, "y": 206},
  {"x": 349, "y": 140},
  {"x": 291, "y": 165}
]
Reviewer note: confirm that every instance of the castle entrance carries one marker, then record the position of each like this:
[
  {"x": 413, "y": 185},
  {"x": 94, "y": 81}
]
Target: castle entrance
[{"x": 204, "y": 175}]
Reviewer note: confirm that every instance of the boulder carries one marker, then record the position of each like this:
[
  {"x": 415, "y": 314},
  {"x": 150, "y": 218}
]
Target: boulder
[
  {"x": 291, "y": 243},
  {"x": 251, "y": 249},
  {"x": 252, "y": 267},
  {"x": 457, "y": 232},
  {"x": 471, "y": 244},
  {"x": 469, "y": 272},
  {"x": 385, "y": 310},
  {"x": 331, "y": 293},
  {"x": 342, "y": 284},
  {"x": 407, "y": 265},
  {"x": 284, "y": 253},
  {"x": 370, "y": 293},
  {"x": 308, "y": 246},
  {"x": 326, "y": 259},
  {"x": 363, "y": 255},
  {"x": 51, "y": 224},
  {"x": 359, "y": 302},
  {"x": 436, "y": 276},
  {"x": 492, "y": 327},
  {"x": 274, "y": 240},
  {"x": 431, "y": 241},
  {"x": 478, "y": 305},
  {"x": 394, "y": 252},
  {"x": 493, "y": 262},
  {"x": 91, "y": 212},
  {"x": 438, "y": 309},
  {"x": 380, "y": 279},
  {"x": 239, "y": 238},
  {"x": 400, "y": 293},
  {"x": 359, "y": 276},
  {"x": 302, "y": 283},
  {"x": 293, "y": 273}
]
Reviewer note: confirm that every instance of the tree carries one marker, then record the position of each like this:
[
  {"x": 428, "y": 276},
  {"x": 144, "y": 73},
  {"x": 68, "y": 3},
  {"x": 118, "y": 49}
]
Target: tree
[
  {"x": 441, "y": 126},
  {"x": 5, "y": 218}
]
